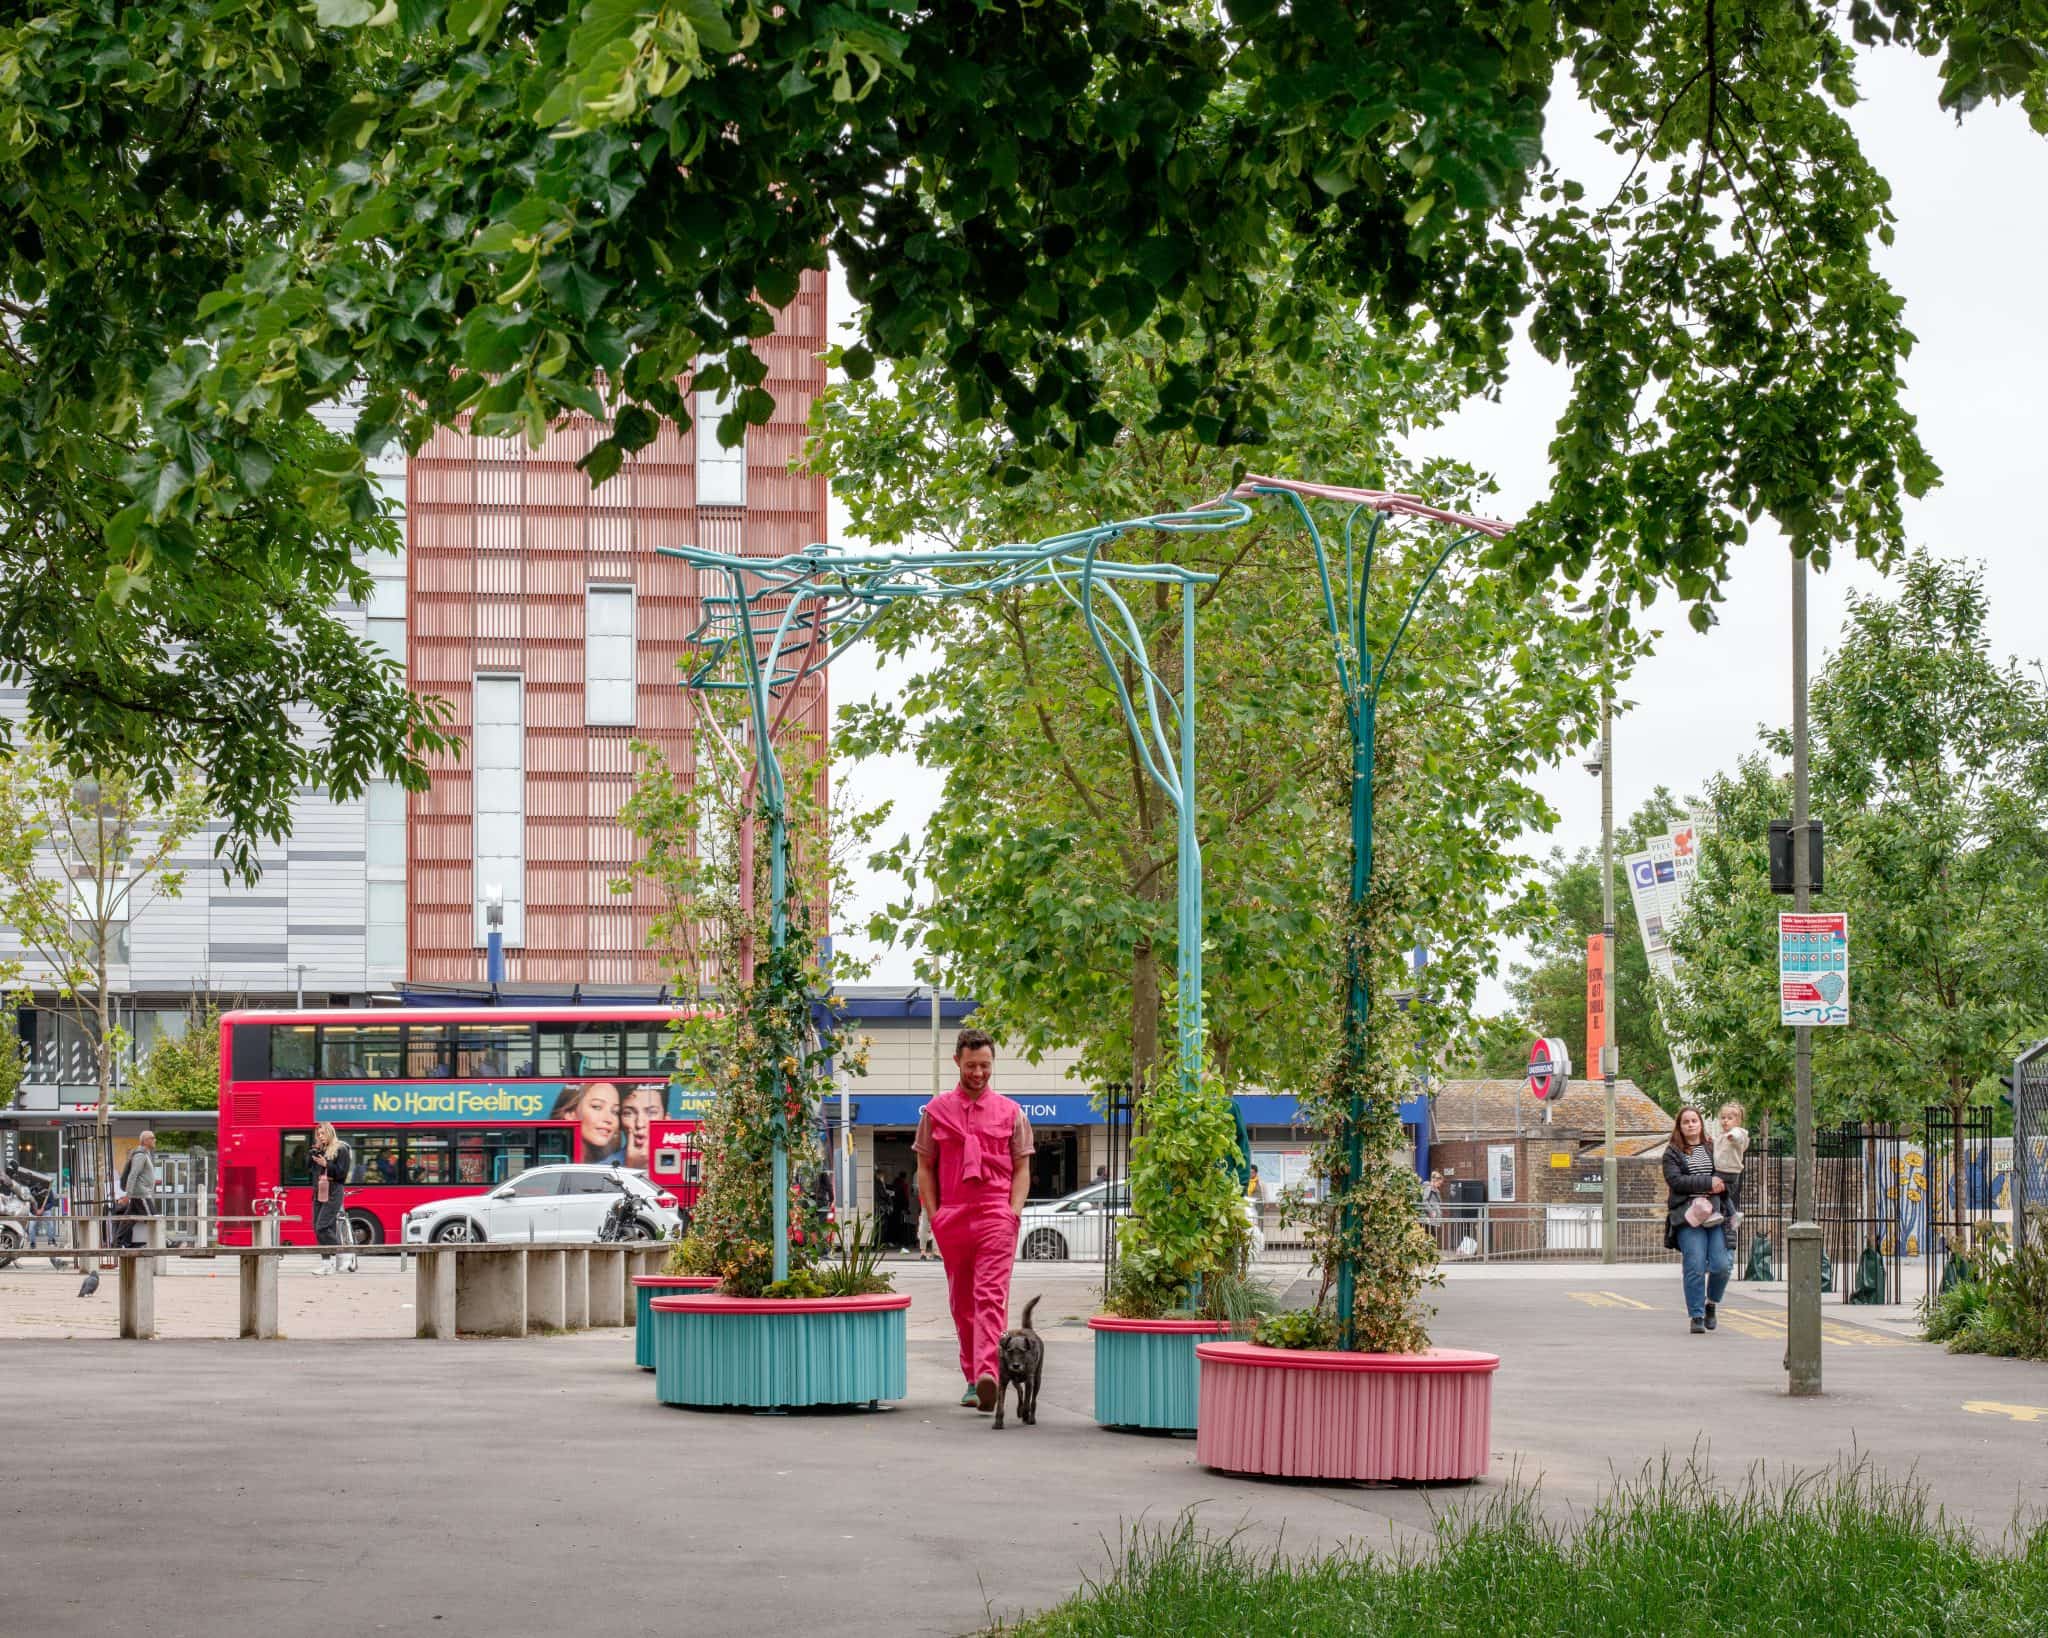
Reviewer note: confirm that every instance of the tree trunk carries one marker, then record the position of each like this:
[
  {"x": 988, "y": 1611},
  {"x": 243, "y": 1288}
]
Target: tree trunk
[{"x": 1144, "y": 1019}]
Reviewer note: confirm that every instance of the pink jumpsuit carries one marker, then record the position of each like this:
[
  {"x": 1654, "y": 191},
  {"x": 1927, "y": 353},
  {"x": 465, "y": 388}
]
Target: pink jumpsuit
[{"x": 972, "y": 1143}]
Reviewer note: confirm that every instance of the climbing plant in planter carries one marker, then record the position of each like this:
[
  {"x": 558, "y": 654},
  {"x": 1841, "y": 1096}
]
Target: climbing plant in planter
[{"x": 1351, "y": 1389}]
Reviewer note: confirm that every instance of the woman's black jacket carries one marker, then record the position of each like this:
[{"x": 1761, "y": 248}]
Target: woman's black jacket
[{"x": 1681, "y": 1185}]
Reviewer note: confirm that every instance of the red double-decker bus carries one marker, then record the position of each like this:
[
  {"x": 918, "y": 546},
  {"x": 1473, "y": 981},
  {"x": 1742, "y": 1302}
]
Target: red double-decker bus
[{"x": 433, "y": 1102}]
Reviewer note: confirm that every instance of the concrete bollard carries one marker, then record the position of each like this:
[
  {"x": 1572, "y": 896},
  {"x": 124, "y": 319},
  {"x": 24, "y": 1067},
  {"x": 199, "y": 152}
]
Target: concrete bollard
[
  {"x": 576, "y": 1288},
  {"x": 137, "y": 1279},
  {"x": 154, "y": 1236},
  {"x": 490, "y": 1292},
  {"x": 611, "y": 1301},
  {"x": 259, "y": 1296},
  {"x": 544, "y": 1287},
  {"x": 434, "y": 1292}
]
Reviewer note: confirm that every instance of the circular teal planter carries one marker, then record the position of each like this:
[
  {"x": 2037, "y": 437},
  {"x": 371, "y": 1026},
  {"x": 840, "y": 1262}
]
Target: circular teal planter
[
  {"x": 1146, "y": 1373},
  {"x": 768, "y": 1353},
  {"x": 646, "y": 1287}
]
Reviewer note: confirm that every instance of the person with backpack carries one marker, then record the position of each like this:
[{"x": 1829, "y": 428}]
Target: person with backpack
[
  {"x": 330, "y": 1161},
  {"x": 135, "y": 1195}
]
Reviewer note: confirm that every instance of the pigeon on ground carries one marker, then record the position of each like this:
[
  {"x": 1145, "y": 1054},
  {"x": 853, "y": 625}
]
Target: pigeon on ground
[{"x": 92, "y": 1284}]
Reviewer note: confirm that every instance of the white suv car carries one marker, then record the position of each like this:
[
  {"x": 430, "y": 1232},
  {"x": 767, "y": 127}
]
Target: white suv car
[
  {"x": 547, "y": 1203},
  {"x": 1057, "y": 1230}
]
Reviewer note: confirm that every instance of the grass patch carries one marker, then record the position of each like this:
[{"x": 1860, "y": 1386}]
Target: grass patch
[{"x": 1669, "y": 1553}]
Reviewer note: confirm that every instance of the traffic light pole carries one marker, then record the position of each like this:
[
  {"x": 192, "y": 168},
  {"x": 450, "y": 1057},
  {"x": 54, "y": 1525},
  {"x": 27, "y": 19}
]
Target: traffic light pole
[{"x": 1803, "y": 1251}]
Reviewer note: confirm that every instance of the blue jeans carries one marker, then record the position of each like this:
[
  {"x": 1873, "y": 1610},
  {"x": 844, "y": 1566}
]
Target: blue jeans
[{"x": 1707, "y": 1262}]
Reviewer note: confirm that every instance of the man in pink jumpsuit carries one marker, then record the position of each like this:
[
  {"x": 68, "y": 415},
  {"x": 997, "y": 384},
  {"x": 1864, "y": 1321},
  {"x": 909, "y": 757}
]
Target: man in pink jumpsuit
[{"x": 973, "y": 1171}]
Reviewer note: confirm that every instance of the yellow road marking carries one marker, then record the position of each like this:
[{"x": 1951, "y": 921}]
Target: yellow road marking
[
  {"x": 2019, "y": 1413},
  {"x": 1606, "y": 1299},
  {"x": 1835, "y": 1331}
]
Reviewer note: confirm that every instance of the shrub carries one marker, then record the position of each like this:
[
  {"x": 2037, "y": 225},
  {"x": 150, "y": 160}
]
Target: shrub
[
  {"x": 1187, "y": 1225},
  {"x": 2004, "y": 1311},
  {"x": 1304, "y": 1328}
]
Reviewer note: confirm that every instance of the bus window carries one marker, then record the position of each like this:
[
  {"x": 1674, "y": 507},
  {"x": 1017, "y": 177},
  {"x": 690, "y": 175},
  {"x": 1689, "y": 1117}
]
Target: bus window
[
  {"x": 485, "y": 1159},
  {"x": 426, "y": 1052},
  {"x": 291, "y": 1051},
  {"x": 359, "y": 1052},
  {"x": 293, "y": 1169},
  {"x": 488, "y": 1050},
  {"x": 376, "y": 1158},
  {"x": 647, "y": 1049},
  {"x": 581, "y": 1049},
  {"x": 429, "y": 1157},
  {"x": 554, "y": 1146}
]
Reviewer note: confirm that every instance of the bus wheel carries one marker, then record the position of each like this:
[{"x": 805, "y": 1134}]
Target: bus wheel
[
  {"x": 364, "y": 1229},
  {"x": 458, "y": 1231}
]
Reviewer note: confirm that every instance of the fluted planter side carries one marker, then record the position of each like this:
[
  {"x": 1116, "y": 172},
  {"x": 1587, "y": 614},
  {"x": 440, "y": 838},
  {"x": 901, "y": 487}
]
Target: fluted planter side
[
  {"x": 1146, "y": 1373},
  {"x": 646, "y": 1287},
  {"x": 766, "y": 1353},
  {"x": 1315, "y": 1414}
]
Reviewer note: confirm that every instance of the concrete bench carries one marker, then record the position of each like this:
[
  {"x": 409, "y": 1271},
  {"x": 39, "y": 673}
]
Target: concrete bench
[{"x": 485, "y": 1290}]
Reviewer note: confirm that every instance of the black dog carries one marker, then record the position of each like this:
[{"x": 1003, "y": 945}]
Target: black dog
[{"x": 1022, "y": 1352}]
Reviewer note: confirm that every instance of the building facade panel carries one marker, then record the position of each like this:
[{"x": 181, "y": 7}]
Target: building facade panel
[{"x": 505, "y": 547}]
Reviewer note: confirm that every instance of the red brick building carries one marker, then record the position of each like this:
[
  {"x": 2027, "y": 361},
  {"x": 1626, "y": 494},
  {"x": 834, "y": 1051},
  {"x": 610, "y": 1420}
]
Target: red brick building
[{"x": 537, "y": 607}]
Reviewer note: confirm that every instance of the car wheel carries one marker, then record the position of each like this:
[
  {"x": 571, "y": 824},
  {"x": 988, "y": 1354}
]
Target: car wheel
[
  {"x": 12, "y": 1243},
  {"x": 638, "y": 1229},
  {"x": 1045, "y": 1246},
  {"x": 364, "y": 1229},
  {"x": 457, "y": 1231}
]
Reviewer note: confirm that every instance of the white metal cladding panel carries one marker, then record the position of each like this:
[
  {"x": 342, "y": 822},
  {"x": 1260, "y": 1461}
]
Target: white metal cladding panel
[{"x": 500, "y": 802}]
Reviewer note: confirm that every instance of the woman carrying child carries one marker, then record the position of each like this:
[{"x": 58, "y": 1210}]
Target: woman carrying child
[{"x": 1694, "y": 1215}]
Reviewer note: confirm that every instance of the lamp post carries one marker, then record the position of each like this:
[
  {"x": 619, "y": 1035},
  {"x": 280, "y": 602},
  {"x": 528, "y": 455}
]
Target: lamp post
[{"x": 1802, "y": 1318}]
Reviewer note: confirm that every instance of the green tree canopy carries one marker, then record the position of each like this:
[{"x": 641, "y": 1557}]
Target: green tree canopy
[
  {"x": 1054, "y": 856},
  {"x": 220, "y": 216},
  {"x": 1930, "y": 773}
]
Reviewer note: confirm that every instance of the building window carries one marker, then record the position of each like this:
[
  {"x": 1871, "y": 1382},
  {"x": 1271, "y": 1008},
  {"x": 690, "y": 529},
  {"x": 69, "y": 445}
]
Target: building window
[
  {"x": 387, "y": 636},
  {"x": 608, "y": 656},
  {"x": 721, "y": 472},
  {"x": 384, "y": 927},
  {"x": 384, "y": 811},
  {"x": 500, "y": 804}
]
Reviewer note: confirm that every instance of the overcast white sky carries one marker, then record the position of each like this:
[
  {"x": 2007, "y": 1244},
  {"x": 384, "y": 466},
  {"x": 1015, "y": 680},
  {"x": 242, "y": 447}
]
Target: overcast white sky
[{"x": 1969, "y": 259}]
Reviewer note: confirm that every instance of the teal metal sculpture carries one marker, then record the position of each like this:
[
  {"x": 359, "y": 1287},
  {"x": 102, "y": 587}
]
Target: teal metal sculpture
[
  {"x": 1361, "y": 674},
  {"x": 780, "y": 621}
]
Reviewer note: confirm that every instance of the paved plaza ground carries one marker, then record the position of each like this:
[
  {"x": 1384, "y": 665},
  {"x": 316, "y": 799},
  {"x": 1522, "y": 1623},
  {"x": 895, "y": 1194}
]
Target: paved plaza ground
[{"x": 346, "y": 1481}]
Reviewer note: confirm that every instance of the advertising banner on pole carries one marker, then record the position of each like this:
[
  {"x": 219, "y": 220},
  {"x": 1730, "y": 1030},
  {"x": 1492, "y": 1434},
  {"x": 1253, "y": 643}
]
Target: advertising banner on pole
[
  {"x": 1596, "y": 1003},
  {"x": 1813, "y": 969},
  {"x": 1659, "y": 878}
]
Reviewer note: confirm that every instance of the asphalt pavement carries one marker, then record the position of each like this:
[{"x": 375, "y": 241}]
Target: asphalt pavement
[{"x": 358, "y": 1486}]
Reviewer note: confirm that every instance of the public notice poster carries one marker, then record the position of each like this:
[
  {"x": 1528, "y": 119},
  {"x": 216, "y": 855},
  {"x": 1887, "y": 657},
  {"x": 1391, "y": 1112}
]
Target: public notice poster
[{"x": 1813, "y": 969}]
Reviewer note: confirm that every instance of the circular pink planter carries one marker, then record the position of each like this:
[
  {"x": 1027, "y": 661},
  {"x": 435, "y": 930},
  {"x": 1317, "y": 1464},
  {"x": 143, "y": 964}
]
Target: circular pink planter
[{"x": 1305, "y": 1413}]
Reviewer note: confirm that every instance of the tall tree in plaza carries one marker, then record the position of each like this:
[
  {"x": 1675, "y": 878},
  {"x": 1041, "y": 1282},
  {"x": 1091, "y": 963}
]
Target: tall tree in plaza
[
  {"x": 218, "y": 217},
  {"x": 1930, "y": 773},
  {"x": 1052, "y": 855},
  {"x": 82, "y": 854}
]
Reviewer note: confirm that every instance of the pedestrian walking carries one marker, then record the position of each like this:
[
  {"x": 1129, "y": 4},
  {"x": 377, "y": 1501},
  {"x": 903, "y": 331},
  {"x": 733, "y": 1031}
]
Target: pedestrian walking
[
  {"x": 1692, "y": 1218},
  {"x": 973, "y": 1145},
  {"x": 330, "y": 1161},
  {"x": 135, "y": 1194}
]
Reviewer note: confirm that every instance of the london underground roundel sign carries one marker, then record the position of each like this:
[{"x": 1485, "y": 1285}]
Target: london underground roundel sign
[{"x": 1550, "y": 1067}]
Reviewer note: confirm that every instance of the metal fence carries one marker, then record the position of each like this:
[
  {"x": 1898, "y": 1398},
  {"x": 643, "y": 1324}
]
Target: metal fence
[{"x": 2030, "y": 1144}]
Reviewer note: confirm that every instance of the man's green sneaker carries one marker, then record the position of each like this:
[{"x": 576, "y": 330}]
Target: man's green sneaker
[{"x": 971, "y": 1399}]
